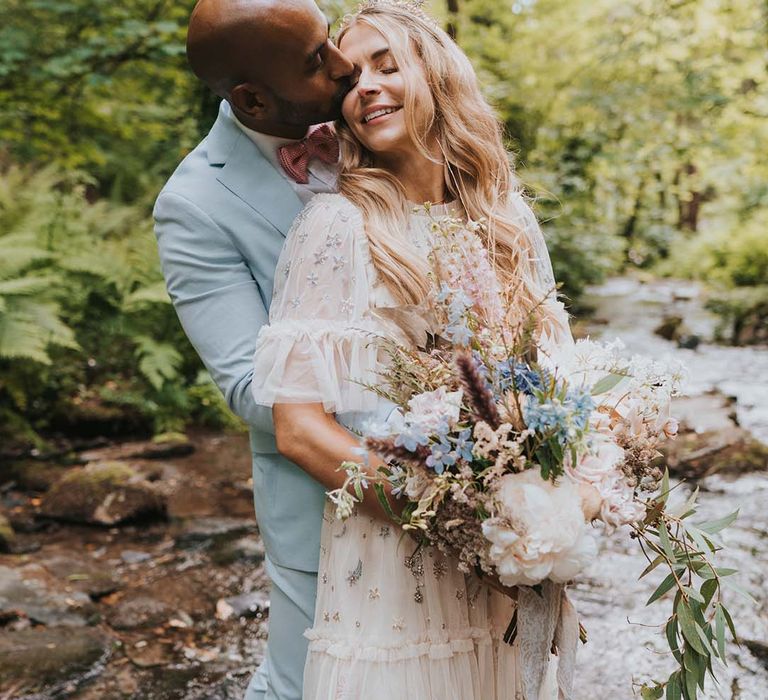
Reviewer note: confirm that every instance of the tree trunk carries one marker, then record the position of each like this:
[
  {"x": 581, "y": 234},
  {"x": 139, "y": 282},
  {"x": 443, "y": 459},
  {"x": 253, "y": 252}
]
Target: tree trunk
[{"x": 453, "y": 16}]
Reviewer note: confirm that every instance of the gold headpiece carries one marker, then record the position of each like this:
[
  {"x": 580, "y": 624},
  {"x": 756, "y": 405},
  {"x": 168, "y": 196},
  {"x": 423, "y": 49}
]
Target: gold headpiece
[{"x": 412, "y": 7}]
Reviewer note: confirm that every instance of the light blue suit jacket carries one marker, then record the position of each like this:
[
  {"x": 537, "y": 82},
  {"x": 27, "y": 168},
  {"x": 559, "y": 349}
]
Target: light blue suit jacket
[{"x": 220, "y": 221}]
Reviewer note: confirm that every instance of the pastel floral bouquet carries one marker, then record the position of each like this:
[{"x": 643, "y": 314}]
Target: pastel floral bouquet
[{"x": 506, "y": 450}]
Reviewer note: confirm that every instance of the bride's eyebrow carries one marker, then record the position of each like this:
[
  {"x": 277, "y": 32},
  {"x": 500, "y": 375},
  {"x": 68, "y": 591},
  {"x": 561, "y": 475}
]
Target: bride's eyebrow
[{"x": 379, "y": 53}]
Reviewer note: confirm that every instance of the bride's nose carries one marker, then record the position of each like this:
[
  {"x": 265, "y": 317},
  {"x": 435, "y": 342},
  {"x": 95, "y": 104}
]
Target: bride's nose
[{"x": 367, "y": 85}]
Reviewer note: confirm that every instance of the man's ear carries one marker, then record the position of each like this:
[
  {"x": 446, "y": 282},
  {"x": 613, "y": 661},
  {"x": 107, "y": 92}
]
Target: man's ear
[{"x": 249, "y": 99}]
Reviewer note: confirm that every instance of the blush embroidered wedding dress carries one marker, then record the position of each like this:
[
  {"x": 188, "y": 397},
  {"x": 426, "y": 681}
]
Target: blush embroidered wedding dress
[{"x": 391, "y": 622}]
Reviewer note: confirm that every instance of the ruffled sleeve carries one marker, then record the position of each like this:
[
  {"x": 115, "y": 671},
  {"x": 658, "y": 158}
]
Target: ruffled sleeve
[
  {"x": 320, "y": 346},
  {"x": 557, "y": 334}
]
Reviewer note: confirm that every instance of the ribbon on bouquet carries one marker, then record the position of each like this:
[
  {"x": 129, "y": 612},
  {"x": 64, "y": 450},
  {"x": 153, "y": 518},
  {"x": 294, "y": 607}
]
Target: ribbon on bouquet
[{"x": 544, "y": 620}]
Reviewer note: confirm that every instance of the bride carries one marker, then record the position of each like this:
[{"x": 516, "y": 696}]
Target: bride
[{"x": 391, "y": 621}]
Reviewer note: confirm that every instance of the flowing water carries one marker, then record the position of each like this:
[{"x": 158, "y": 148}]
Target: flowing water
[{"x": 626, "y": 646}]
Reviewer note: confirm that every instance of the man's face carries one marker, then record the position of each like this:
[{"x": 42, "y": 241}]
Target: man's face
[{"x": 306, "y": 77}]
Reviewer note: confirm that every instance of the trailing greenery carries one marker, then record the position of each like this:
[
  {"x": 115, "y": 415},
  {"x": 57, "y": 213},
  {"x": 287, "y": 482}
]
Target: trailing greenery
[{"x": 697, "y": 628}]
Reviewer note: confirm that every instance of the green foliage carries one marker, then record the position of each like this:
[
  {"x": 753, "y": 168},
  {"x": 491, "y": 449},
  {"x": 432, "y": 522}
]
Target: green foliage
[
  {"x": 85, "y": 322},
  {"x": 98, "y": 86},
  {"x": 696, "y": 629}
]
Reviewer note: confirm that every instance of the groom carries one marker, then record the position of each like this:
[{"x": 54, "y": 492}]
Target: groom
[{"x": 220, "y": 222}]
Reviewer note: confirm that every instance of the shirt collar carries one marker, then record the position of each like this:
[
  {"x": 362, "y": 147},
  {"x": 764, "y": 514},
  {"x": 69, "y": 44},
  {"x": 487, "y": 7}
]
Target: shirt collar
[{"x": 267, "y": 144}]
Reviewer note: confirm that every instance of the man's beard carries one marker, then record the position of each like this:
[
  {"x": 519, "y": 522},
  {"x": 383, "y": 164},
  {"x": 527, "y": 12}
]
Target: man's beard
[{"x": 307, "y": 113}]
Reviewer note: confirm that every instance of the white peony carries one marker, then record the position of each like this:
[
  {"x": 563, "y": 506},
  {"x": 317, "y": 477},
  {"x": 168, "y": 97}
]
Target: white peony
[{"x": 539, "y": 532}]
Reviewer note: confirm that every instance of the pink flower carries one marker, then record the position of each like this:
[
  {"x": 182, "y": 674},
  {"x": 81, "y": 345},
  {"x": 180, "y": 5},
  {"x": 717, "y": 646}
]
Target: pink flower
[
  {"x": 670, "y": 427},
  {"x": 432, "y": 408}
]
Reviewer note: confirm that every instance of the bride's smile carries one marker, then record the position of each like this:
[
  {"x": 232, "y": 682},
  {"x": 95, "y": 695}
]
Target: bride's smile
[{"x": 373, "y": 108}]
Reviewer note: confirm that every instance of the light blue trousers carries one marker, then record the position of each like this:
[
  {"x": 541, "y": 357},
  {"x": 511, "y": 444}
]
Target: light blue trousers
[{"x": 291, "y": 612}]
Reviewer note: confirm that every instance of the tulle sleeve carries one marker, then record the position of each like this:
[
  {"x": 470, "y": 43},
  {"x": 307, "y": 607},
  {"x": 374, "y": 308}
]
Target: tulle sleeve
[
  {"x": 320, "y": 346},
  {"x": 557, "y": 333}
]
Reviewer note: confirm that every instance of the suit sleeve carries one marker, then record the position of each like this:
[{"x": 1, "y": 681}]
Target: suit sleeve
[{"x": 216, "y": 298}]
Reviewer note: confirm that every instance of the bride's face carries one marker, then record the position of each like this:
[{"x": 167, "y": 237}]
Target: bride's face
[{"x": 373, "y": 108}]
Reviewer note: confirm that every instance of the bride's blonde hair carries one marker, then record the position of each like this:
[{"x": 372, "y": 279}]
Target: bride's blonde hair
[{"x": 443, "y": 106}]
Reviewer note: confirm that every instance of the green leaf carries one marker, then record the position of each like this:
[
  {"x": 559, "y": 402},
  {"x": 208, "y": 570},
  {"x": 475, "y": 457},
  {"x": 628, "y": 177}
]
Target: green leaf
[
  {"x": 606, "y": 384},
  {"x": 674, "y": 689},
  {"x": 666, "y": 545},
  {"x": 652, "y": 692},
  {"x": 652, "y": 566},
  {"x": 715, "y": 526},
  {"x": 729, "y": 621},
  {"x": 384, "y": 501},
  {"x": 708, "y": 590},
  {"x": 720, "y": 632},
  {"x": 693, "y": 593},
  {"x": 671, "y": 632},
  {"x": 666, "y": 585},
  {"x": 688, "y": 627}
]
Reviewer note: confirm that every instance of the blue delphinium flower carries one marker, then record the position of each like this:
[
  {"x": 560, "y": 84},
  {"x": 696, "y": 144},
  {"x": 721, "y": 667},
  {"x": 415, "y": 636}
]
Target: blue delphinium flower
[
  {"x": 561, "y": 418},
  {"x": 458, "y": 333},
  {"x": 411, "y": 437},
  {"x": 464, "y": 445},
  {"x": 442, "y": 456},
  {"x": 520, "y": 375}
]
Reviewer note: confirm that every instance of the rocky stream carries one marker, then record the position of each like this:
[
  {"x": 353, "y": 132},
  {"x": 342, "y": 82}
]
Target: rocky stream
[{"x": 135, "y": 570}]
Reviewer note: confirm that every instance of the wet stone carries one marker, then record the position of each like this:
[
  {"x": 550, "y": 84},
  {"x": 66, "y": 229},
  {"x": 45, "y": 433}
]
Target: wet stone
[
  {"x": 50, "y": 658},
  {"x": 203, "y": 531},
  {"x": 246, "y": 550},
  {"x": 83, "y": 575},
  {"x": 24, "y": 594},
  {"x": 162, "y": 447},
  {"x": 139, "y": 612},
  {"x": 253, "y": 604},
  {"x": 131, "y": 556}
]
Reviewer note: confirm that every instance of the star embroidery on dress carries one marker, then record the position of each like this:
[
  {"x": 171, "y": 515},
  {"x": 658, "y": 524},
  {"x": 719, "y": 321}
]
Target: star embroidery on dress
[
  {"x": 356, "y": 574},
  {"x": 321, "y": 255},
  {"x": 338, "y": 262},
  {"x": 313, "y": 279},
  {"x": 373, "y": 593},
  {"x": 398, "y": 624},
  {"x": 333, "y": 240},
  {"x": 439, "y": 568}
]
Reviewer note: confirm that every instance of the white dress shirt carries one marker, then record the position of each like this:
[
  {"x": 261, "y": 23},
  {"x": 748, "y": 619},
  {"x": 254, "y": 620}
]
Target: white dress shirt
[{"x": 322, "y": 175}]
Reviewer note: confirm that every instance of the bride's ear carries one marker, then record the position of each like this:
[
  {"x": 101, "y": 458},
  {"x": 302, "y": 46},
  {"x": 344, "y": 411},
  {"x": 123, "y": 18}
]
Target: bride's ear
[{"x": 248, "y": 99}]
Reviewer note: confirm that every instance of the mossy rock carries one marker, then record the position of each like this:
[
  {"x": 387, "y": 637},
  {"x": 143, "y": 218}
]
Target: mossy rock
[
  {"x": 103, "y": 493},
  {"x": 7, "y": 535},
  {"x": 31, "y": 475}
]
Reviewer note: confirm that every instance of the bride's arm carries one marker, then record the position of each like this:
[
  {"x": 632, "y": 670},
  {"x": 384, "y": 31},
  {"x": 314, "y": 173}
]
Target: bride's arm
[
  {"x": 318, "y": 346},
  {"x": 314, "y": 440}
]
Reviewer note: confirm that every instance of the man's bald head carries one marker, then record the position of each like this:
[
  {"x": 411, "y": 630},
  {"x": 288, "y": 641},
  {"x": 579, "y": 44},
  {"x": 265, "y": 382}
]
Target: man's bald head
[{"x": 270, "y": 58}]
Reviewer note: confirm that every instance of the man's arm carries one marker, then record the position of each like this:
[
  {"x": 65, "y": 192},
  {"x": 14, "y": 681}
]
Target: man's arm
[{"x": 216, "y": 298}]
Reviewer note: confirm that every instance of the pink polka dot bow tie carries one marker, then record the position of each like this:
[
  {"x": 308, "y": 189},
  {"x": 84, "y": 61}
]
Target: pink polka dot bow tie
[{"x": 320, "y": 143}]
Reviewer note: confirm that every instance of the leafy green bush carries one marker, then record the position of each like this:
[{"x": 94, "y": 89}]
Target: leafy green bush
[{"x": 88, "y": 338}]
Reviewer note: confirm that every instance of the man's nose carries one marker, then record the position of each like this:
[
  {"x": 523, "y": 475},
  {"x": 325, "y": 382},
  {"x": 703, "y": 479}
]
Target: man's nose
[{"x": 339, "y": 65}]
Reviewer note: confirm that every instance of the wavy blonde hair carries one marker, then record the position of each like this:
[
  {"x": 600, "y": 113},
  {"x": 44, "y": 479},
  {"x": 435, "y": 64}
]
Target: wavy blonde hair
[{"x": 446, "y": 113}]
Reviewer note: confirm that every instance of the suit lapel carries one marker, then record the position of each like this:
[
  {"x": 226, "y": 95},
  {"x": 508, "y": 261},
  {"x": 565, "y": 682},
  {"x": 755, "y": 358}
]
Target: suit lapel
[{"x": 249, "y": 175}]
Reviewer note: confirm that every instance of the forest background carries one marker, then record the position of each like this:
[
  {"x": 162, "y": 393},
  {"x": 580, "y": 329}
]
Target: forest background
[{"x": 641, "y": 127}]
